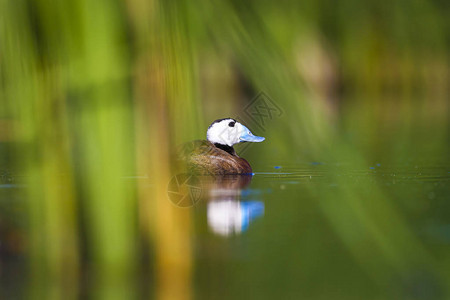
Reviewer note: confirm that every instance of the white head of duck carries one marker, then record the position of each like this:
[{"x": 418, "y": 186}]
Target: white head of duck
[{"x": 229, "y": 132}]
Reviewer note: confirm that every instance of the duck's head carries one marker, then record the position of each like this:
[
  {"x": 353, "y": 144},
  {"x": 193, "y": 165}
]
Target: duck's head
[{"x": 229, "y": 132}]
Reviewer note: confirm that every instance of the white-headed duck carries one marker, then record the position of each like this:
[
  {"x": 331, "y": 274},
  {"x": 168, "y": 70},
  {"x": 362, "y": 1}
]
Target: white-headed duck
[{"x": 216, "y": 155}]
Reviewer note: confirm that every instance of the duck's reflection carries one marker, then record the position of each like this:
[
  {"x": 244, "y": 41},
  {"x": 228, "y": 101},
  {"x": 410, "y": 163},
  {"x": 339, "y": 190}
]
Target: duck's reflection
[
  {"x": 227, "y": 212},
  {"x": 228, "y": 217}
]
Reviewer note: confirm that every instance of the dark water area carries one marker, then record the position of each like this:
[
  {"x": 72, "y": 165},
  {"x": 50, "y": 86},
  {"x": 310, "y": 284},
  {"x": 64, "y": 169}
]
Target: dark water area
[{"x": 316, "y": 230}]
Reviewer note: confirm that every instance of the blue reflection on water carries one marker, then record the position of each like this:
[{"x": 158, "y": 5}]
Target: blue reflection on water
[{"x": 251, "y": 210}]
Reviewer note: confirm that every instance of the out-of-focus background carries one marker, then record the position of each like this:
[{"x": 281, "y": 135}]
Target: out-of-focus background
[{"x": 94, "y": 95}]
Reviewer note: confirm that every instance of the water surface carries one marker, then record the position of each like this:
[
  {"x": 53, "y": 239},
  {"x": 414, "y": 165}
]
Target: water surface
[
  {"x": 325, "y": 231},
  {"x": 314, "y": 230}
]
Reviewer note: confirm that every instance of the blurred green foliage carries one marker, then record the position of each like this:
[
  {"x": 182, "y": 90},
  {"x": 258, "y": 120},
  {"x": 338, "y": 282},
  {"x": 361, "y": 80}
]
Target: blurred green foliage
[{"x": 95, "y": 91}]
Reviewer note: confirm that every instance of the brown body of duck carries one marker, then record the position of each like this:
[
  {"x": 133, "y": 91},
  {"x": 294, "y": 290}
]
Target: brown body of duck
[
  {"x": 217, "y": 155},
  {"x": 203, "y": 157}
]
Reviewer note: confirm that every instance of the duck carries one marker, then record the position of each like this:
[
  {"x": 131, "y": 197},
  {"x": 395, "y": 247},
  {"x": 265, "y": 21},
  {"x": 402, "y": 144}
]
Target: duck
[{"x": 216, "y": 155}]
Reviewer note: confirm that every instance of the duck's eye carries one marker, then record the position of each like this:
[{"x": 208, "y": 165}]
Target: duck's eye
[{"x": 231, "y": 124}]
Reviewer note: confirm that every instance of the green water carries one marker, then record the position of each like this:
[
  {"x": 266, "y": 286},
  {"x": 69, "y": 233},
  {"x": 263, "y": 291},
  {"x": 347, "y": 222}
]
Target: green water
[
  {"x": 314, "y": 230},
  {"x": 325, "y": 231}
]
